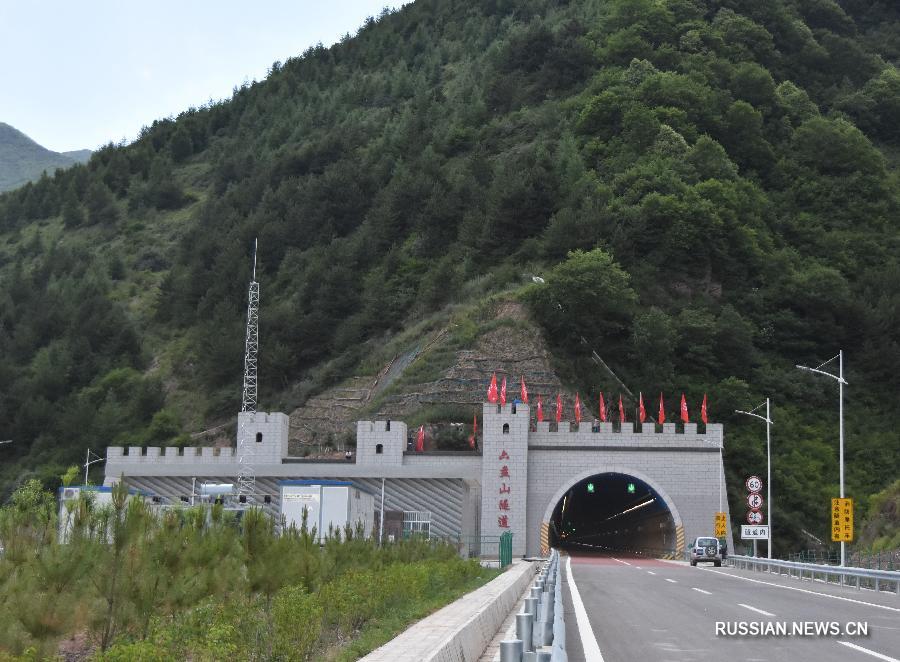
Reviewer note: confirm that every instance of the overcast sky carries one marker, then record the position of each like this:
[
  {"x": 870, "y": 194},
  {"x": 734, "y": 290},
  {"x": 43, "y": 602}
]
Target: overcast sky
[{"x": 80, "y": 73}]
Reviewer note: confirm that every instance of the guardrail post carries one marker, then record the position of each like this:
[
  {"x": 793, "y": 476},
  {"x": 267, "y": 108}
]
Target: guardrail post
[
  {"x": 511, "y": 650},
  {"x": 524, "y": 630}
]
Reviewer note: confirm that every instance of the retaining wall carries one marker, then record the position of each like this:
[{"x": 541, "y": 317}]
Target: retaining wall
[{"x": 461, "y": 631}]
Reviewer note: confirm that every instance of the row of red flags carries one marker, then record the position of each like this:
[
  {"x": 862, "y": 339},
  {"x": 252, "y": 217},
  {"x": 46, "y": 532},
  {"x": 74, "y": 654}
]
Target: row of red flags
[{"x": 493, "y": 396}]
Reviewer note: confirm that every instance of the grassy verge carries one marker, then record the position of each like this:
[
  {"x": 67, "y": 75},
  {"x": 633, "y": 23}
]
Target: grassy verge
[{"x": 389, "y": 625}]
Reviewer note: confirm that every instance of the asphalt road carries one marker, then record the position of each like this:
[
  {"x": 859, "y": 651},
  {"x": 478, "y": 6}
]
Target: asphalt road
[{"x": 648, "y": 610}]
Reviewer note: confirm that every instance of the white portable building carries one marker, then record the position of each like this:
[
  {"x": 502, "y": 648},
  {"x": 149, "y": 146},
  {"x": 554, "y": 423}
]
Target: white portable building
[
  {"x": 328, "y": 504},
  {"x": 101, "y": 496}
]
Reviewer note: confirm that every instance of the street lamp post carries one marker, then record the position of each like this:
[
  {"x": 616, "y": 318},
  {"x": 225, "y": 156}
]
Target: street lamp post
[
  {"x": 768, "y": 419},
  {"x": 88, "y": 461},
  {"x": 841, "y": 381}
]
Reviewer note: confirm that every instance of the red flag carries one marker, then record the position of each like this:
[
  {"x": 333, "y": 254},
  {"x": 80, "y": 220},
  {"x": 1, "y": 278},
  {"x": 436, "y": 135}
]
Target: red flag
[
  {"x": 503, "y": 392},
  {"x": 662, "y": 410},
  {"x": 558, "y": 408},
  {"x": 621, "y": 410},
  {"x": 684, "y": 411},
  {"x": 540, "y": 410},
  {"x": 492, "y": 389},
  {"x": 703, "y": 410},
  {"x": 642, "y": 413},
  {"x": 577, "y": 409},
  {"x": 420, "y": 439},
  {"x": 602, "y": 408},
  {"x": 524, "y": 391}
]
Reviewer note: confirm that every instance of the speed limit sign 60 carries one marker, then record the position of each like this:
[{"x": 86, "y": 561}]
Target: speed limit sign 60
[{"x": 754, "y": 484}]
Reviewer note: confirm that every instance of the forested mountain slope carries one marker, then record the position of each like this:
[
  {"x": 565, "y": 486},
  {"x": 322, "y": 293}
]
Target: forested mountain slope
[
  {"x": 727, "y": 168},
  {"x": 23, "y": 160}
]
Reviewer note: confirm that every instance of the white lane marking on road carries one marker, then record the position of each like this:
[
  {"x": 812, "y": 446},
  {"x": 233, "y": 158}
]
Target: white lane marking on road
[
  {"x": 588, "y": 640},
  {"x": 650, "y": 572},
  {"x": 802, "y": 590},
  {"x": 700, "y": 590},
  {"x": 758, "y": 611},
  {"x": 621, "y": 561},
  {"x": 637, "y": 567},
  {"x": 886, "y": 658},
  {"x": 671, "y": 580}
]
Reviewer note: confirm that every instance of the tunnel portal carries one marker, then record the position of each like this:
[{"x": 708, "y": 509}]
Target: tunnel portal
[{"x": 613, "y": 513}]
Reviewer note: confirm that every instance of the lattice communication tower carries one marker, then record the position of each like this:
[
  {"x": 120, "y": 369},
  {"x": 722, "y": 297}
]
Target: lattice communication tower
[{"x": 246, "y": 473}]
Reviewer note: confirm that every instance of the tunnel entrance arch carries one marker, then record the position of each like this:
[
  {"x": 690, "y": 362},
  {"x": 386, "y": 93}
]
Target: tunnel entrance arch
[{"x": 613, "y": 510}]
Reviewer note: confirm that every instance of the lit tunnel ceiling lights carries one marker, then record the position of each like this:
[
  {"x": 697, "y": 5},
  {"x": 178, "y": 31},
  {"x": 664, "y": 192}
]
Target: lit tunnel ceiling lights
[
  {"x": 622, "y": 511},
  {"x": 628, "y": 510}
]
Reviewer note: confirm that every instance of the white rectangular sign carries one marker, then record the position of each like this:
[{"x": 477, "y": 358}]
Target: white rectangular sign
[{"x": 755, "y": 531}]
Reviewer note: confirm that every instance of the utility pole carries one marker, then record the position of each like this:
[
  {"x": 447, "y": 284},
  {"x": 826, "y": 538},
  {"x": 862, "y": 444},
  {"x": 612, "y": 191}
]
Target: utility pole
[
  {"x": 381, "y": 518},
  {"x": 246, "y": 472},
  {"x": 841, "y": 382}
]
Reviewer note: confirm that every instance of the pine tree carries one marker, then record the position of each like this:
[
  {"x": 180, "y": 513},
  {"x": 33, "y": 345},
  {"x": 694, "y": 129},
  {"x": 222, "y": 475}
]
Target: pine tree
[
  {"x": 101, "y": 205},
  {"x": 72, "y": 211}
]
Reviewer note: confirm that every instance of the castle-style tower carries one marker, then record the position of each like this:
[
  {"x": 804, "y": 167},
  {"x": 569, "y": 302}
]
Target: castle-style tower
[{"x": 504, "y": 472}]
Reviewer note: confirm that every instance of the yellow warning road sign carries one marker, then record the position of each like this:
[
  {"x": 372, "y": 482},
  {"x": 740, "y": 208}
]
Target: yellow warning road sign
[
  {"x": 842, "y": 520},
  {"x": 721, "y": 525}
]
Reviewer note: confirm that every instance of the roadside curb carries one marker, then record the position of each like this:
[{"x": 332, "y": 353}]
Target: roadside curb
[{"x": 461, "y": 631}]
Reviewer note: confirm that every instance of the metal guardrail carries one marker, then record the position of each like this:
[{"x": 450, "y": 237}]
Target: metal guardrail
[
  {"x": 883, "y": 560},
  {"x": 540, "y": 630},
  {"x": 845, "y": 576}
]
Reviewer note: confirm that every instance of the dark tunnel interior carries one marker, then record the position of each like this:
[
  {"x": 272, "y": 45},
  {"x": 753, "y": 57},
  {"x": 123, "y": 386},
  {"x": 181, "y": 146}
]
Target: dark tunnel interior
[{"x": 613, "y": 513}]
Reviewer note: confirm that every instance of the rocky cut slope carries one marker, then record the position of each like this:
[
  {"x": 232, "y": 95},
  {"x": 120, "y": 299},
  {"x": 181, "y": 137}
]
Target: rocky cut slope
[{"x": 441, "y": 379}]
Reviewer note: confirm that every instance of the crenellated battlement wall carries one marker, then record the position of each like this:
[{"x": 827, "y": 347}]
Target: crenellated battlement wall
[
  {"x": 380, "y": 443},
  {"x": 517, "y": 416},
  {"x": 268, "y": 433},
  {"x": 522, "y": 470}
]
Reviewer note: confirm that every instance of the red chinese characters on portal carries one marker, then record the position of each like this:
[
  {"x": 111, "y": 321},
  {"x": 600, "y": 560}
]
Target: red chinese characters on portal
[{"x": 503, "y": 505}]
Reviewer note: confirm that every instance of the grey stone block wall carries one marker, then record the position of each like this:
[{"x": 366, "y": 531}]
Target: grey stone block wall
[
  {"x": 272, "y": 431},
  {"x": 388, "y": 437},
  {"x": 513, "y": 485},
  {"x": 504, "y": 472},
  {"x": 687, "y": 481}
]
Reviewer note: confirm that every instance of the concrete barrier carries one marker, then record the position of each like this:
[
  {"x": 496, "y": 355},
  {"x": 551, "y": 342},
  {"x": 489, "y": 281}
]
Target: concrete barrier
[{"x": 461, "y": 631}]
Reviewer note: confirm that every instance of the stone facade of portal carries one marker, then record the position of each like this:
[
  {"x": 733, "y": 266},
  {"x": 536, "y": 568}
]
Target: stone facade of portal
[{"x": 511, "y": 484}]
